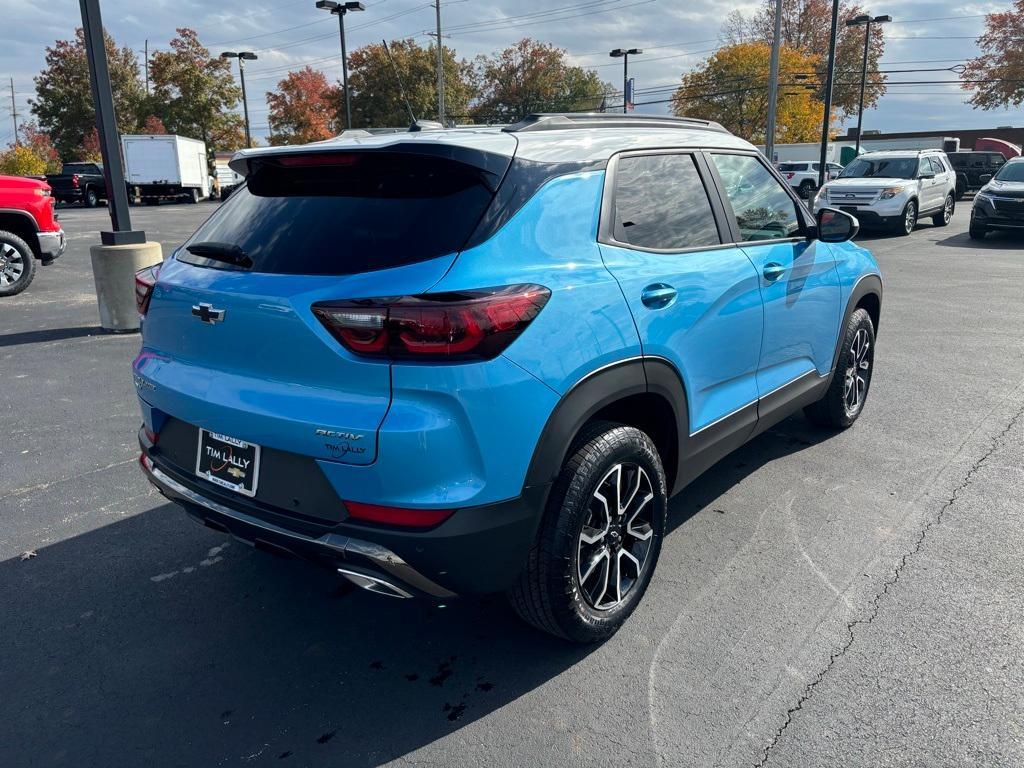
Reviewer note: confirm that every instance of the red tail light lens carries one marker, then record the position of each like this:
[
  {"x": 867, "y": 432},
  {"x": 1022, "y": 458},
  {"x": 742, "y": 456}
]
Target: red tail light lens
[
  {"x": 145, "y": 280},
  {"x": 74, "y": 180},
  {"x": 467, "y": 325},
  {"x": 407, "y": 518},
  {"x": 790, "y": 175}
]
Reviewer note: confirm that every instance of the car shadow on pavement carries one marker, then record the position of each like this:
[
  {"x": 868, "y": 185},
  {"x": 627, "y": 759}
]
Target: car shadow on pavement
[
  {"x": 153, "y": 641},
  {"x": 994, "y": 241}
]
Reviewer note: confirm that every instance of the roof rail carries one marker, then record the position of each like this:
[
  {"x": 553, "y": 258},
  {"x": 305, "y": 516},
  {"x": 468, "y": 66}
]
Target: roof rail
[{"x": 552, "y": 121}]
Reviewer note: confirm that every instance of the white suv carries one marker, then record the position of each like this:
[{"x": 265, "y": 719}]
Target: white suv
[
  {"x": 893, "y": 189},
  {"x": 803, "y": 176}
]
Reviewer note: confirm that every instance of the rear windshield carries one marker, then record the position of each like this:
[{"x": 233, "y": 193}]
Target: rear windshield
[
  {"x": 346, "y": 213},
  {"x": 80, "y": 168}
]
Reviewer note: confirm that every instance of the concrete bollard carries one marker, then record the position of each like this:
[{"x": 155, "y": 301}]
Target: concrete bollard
[{"x": 113, "y": 269}]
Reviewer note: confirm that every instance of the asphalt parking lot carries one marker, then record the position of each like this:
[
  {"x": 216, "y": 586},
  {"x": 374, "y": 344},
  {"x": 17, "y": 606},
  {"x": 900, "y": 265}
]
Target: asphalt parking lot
[{"x": 822, "y": 600}]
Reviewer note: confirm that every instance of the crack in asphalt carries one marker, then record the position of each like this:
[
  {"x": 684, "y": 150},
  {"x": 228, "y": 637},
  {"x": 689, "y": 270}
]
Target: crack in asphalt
[{"x": 875, "y": 607}]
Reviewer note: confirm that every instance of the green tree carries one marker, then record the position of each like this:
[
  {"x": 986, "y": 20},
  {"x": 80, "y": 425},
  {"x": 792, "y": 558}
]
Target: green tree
[
  {"x": 731, "y": 88},
  {"x": 303, "y": 108},
  {"x": 377, "y": 96},
  {"x": 194, "y": 93},
  {"x": 996, "y": 77},
  {"x": 529, "y": 77},
  {"x": 63, "y": 104},
  {"x": 806, "y": 27}
]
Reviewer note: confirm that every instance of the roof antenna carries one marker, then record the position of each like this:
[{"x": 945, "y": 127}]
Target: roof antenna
[{"x": 401, "y": 87}]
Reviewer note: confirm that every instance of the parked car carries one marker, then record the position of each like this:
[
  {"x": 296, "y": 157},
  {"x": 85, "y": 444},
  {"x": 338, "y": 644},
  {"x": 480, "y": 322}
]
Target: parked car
[
  {"x": 893, "y": 189},
  {"x": 481, "y": 360},
  {"x": 79, "y": 183},
  {"x": 29, "y": 231},
  {"x": 803, "y": 177},
  {"x": 971, "y": 166},
  {"x": 1000, "y": 203}
]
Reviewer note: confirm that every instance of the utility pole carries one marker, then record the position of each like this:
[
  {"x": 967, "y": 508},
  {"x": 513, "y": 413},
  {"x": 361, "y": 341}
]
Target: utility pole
[
  {"x": 14, "y": 113},
  {"x": 146, "y": 54},
  {"x": 867, "y": 21},
  {"x": 773, "y": 85},
  {"x": 829, "y": 82},
  {"x": 440, "y": 66}
]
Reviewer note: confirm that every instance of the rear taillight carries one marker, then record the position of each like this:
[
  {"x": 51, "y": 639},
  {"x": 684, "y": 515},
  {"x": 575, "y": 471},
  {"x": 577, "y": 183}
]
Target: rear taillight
[
  {"x": 407, "y": 518},
  {"x": 74, "y": 180},
  {"x": 145, "y": 280},
  {"x": 790, "y": 175},
  {"x": 464, "y": 325}
]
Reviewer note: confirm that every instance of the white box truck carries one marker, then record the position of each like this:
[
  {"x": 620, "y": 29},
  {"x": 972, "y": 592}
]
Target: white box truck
[
  {"x": 227, "y": 179},
  {"x": 159, "y": 166}
]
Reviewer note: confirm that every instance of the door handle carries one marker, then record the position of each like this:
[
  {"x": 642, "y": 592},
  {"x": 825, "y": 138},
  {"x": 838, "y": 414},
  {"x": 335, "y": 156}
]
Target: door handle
[
  {"x": 773, "y": 271},
  {"x": 658, "y": 296}
]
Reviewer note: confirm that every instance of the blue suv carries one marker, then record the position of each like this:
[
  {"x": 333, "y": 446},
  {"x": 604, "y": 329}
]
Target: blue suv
[{"x": 454, "y": 362}]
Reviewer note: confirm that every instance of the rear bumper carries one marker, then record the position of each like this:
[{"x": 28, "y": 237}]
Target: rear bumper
[
  {"x": 51, "y": 244},
  {"x": 478, "y": 550}
]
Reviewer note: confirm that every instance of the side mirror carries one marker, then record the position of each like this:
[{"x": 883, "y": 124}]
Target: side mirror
[
  {"x": 836, "y": 226},
  {"x": 985, "y": 178}
]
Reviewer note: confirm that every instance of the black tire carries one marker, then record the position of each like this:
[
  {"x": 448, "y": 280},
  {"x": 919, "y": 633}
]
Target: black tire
[
  {"x": 943, "y": 217},
  {"x": 961, "y": 189},
  {"x": 17, "y": 264},
  {"x": 552, "y": 592},
  {"x": 834, "y": 409},
  {"x": 806, "y": 189},
  {"x": 150, "y": 201},
  {"x": 977, "y": 232},
  {"x": 908, "y": 219},
  {"x": 91, "y": 198},
  {"x": 193, "y": 196}
]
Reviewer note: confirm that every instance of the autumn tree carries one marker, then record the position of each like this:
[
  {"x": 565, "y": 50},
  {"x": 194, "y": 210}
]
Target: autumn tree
[
  {"x": 806, "y": 28},
  {"x": 20, "y": 160},
  {"x": 39, "y": 144},
  {"x": 153, "y": 125},
  {"x": 303, "y": 108},
  {"x": 996, "y": 77},
  {"x": 731, "y": 87},
  {"x": 377, "y": 94},
  {"x": 63, "y": 104},
  {"x": 194, "y": 93},
  {"x": 529, "y": 77}
]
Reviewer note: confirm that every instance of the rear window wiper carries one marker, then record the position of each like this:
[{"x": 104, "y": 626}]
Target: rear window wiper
[{"x": 226, "y": 252}]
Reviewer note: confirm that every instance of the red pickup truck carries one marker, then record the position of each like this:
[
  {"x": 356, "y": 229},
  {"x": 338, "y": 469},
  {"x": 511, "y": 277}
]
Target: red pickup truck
[{"x": 29, "y": 231}]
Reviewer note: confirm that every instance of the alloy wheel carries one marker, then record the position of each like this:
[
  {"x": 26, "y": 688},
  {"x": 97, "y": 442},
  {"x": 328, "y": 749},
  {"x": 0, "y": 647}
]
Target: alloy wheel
[
  {"x": 858, "y": 372},
  {"x": 616, "y": 537},
  {"x": 910, "y": 220},
  {"x": 12, "y": 265},
  {"x": 947, "y": 209}
]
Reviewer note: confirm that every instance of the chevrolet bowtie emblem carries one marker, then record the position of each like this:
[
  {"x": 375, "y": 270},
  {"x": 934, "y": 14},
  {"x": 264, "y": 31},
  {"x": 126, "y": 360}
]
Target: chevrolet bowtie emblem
[{"x": 207, "y": 313}]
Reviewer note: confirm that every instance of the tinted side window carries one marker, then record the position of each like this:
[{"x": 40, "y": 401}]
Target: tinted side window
[
  {"x": 764, "y": 210},
  {"x": 660, "y": 202}
]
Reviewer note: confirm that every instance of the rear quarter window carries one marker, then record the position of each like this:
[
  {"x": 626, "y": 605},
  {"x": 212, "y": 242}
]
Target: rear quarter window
[{"x": 347, "y": 213}]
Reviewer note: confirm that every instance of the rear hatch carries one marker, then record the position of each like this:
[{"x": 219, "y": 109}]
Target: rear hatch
[{"x": 230, "y": 342}]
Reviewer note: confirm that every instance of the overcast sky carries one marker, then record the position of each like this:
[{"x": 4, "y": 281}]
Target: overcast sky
[{"x": 677, "y": 34}]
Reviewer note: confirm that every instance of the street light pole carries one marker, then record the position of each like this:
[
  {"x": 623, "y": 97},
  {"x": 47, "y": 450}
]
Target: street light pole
[
  {"x": 829, "y": 82},
  {"x": 242, "y": 57},
  {"x": 624, "y": 54},
  {"x": 339, "y": 10},
  {"x": 773, "y": 85},
  {"x": 867, "y": 21}
]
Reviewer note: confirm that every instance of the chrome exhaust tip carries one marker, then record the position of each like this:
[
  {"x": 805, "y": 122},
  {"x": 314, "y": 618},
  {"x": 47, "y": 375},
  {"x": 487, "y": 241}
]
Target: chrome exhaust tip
[{"x": 374, "y": 584}]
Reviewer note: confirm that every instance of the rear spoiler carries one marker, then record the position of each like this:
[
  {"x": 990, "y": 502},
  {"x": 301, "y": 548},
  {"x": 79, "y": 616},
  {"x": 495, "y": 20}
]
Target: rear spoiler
[{"x": 492, "y": 164}]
